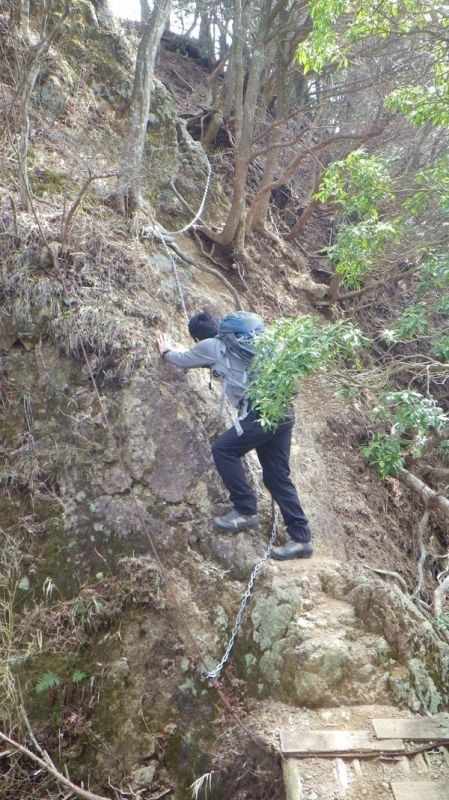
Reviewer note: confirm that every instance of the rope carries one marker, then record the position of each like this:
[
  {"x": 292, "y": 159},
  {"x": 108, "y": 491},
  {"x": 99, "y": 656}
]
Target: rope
[
  {"x": 164, "y": 236},
  {"x": 177, "y": 279},
  {"x": 202, "y": 204}
]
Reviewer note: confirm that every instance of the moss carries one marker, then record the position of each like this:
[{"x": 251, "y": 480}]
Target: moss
[{"x": 46, "y": 181}]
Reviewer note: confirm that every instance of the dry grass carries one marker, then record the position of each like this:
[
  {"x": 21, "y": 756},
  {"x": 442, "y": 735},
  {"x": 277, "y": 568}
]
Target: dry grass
[
  {"x": 10, "y": 569},
  {"x": 64, "y": 624}
]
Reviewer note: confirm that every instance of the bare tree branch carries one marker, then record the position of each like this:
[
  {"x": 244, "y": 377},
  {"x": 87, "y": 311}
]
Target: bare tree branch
[{"x": 54, "y": 772}]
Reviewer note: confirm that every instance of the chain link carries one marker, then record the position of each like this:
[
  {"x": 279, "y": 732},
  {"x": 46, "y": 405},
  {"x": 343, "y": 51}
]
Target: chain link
[{"x": 214, "y": 674}]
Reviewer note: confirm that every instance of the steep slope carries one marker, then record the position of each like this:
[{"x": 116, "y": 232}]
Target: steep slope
[{"x": 126, "y": 634}]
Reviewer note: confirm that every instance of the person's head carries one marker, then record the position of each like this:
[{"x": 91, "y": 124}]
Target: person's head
[{"x": 203, "y": 326}]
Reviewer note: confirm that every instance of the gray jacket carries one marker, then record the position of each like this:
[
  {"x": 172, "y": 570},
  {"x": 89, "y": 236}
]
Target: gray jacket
[{"x": 213, "y": 353}]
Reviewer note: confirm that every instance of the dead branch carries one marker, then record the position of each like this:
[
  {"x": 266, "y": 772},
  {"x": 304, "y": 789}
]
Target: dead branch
[
  {"x": 39, "y": 749},
  {"x": 182, "y": 199},
  {"x": 67, "y": 226},
  {"x": 437, "y": 472},
  {"x": 210, "y": 270},
  {"x": 51, "y": 770}
]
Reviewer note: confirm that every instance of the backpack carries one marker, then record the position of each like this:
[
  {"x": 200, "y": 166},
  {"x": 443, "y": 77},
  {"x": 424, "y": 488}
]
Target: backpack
[
  {"x": 238, "y": 330},
  {"x": 236, "y": 333}
]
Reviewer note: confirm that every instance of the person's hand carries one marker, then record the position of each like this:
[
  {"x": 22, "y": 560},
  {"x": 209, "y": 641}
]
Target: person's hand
[{"x": 164, "y": 342}]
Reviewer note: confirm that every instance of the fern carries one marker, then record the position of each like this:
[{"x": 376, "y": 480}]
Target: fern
[
  {"x": 78, "y": 676},
  {"x": 47, "y": 681}
]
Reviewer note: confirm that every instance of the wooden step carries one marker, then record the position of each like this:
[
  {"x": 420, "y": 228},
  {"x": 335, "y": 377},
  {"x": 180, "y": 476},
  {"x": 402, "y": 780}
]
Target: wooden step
[
  {"x": 417, "y": 730},
  {"x": 296, "y": 742},
  {"x": 420, "y": 790}
]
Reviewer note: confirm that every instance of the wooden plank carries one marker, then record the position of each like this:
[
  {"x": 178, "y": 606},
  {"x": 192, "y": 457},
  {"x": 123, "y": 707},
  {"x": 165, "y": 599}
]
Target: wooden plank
[
  {"x": 298, "y": 742},
  {"x": 420, "y": 790},
  {"x": 292, "y": 779},
  {"x": 418, "y": 730}
]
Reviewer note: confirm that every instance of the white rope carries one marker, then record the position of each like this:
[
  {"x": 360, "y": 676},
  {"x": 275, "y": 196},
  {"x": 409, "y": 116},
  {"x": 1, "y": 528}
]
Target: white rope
[
  {"x": 177, "y": 279},
  {"x": 201, "y": 208},
  {"x": 164, "y": 236}
]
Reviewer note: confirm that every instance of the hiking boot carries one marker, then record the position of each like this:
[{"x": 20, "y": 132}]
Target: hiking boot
[
  {"x": 235, "y": 521},
  {"x": 292, "y": 549}
]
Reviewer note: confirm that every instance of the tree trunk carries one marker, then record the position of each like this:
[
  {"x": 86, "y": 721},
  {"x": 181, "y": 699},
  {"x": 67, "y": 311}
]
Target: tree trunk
[
  {"x": 302, "y": 221},
  {"x": 205, "y": 40},
  {"x": 28, "y": 81},
  {"x": 130, "y": 182},
  {"x": 245, "y": 109},
  {"x": 25, "y": 18},
  {"x": 145, "y": 11},
  {"x": 258, "y": 211}
]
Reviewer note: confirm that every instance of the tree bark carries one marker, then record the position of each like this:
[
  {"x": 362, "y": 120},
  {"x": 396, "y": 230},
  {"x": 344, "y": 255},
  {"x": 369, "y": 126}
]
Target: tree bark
[
  {"x": 129, "y": 193},
  {"x": 245, "y": 109},
  {"x": 205, "y": 40},
  {"x": 30, "y": 74}
]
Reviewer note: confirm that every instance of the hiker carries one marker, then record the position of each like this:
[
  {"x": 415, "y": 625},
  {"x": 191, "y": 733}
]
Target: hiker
[{"x": 272, "y": 447}]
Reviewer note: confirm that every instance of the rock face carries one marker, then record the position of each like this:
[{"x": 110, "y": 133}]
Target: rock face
[
  {"x": 120, "y": 570},
  {"x": 323, "y": 636},
  {"x": 316, "y": 633}
]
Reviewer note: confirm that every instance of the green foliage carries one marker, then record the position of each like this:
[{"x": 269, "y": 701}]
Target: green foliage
[
  {"x": 357, "y": 183},
  {"x": 290, "y": 350},
  {"x": 48, "y": 680},
  {"x": 410, "y": 417},
  {"x": 433, "y": 275},
  {"x": 422, "y": 104},
  {"x": 86, "y": 611},
  {"x": 443, "y": 450},
  {"x": 442, "y": 622},
  {"x": 412, "y": 322},
  {"x": 339, "y": 24},
  {"x": 78, "y": 676},
  {"x": 321, "y": 47},
  {"x": 440, "y": 349},
  {"x": 409, "y": 410},
  {"x": 358, "y": 247},
  {"x": 431, "y": 183},
  {"x": 385, "y": 452}
]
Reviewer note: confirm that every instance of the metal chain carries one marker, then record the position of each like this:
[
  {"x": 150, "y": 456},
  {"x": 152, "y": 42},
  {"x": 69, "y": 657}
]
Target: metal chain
[{"x": 215, "y": 673}]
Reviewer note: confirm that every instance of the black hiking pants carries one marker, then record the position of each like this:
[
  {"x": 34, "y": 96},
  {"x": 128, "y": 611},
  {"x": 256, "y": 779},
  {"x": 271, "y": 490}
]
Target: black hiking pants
[{"x": 273, "y": 452}]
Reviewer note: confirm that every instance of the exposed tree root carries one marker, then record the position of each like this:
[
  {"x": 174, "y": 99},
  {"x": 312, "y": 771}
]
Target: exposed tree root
[
  {"x": 428, "y": 495},
  {"x": 422, "y": 552},
  {"x": 189, "y": 260},
  {"x": 438, "y": 595}
]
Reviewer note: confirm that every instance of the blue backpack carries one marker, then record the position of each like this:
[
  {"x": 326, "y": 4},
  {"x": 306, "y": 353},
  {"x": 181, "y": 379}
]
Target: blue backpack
[{"x": 238, "y": 330}]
